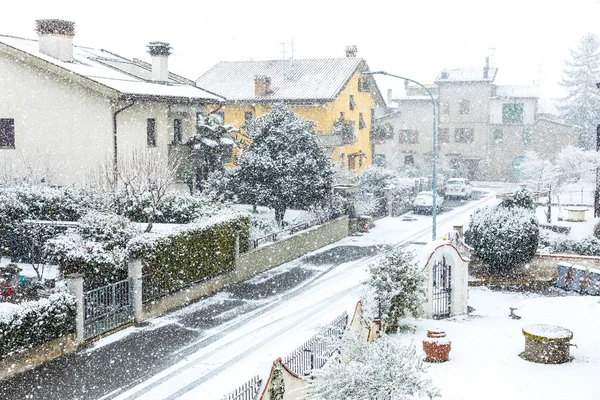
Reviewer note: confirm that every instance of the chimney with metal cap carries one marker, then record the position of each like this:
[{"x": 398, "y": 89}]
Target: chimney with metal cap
[
  {"x": 56, "y": 38},
  {"x": 351, "y": 50},
  {"x": 160, "y": 52}
]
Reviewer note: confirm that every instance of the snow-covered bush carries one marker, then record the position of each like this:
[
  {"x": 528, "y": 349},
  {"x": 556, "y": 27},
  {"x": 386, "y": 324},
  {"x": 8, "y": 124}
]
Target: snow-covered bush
[
  {"x": 194, "y": 252},
  {"x": 260, "y": 227},
  {"x": 382, "y": 370},
  {"x": 96, "y": 248},
  {"x": 521, "y": 198},
  {"x": 368, "y": 205},
  {"x": 504, "y": 238},
  {"x": 375, "y": 181},
  {"x": 597, "y": 230},
  {"x": 397, "y": 285},
  {"x": 36, "y": 322}
]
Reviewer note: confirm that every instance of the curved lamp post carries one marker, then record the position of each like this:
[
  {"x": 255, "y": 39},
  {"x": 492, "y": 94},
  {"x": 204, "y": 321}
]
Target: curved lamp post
[{"x": 434, "y": 162}]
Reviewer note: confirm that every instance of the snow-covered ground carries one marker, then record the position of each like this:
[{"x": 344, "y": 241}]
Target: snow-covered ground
[{"x": 484, "y": 361}]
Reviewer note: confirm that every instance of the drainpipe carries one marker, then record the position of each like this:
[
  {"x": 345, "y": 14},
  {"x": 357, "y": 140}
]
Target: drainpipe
[{"x": 115, "y": 147}]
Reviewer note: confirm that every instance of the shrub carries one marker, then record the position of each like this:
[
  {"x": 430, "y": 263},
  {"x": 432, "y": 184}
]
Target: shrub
[
  {"x": 504, "y": 238},
  {"x": 374, "y": 181},
  {"x": 597, "y": 230},
  {"x": 198, "y": 251},
  {"x": 110, "y": 229},
  {"x": 398, "y": 286},
  {"x": 36, "y": 322},
  {"x": 521, "y": 198}
]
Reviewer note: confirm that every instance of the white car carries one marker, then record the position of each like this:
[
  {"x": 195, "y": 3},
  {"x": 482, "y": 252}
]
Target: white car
[
  {"x": 424, "y": 202},
  {"x": 459, "y": 188}
]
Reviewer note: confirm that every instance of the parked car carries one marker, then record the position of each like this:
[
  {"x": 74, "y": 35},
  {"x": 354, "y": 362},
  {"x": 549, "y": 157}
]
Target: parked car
[
  {"x": 424, "y": 202},
  {"x": 459, "y": 188}
]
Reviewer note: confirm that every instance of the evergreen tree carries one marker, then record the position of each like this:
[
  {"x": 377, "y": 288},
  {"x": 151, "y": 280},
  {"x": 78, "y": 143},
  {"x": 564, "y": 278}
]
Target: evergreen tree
[
  {"x": 285, "y": 165},
  {"x": 581, "y": 107},
  {"x": 210, "y": 148}
]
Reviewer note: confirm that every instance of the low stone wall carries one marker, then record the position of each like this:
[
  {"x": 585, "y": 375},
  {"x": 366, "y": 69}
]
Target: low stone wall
[
  {"x": 266, "y": 257},
  {"x": 21, "y": 362},
  {"x": 545, "y": 265},
  {"x": 254, "y": 262}
]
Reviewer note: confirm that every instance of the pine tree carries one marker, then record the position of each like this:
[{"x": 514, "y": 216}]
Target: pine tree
[
  {"x": 581, "y": 107},
  {"x": 285, "y": 165}
]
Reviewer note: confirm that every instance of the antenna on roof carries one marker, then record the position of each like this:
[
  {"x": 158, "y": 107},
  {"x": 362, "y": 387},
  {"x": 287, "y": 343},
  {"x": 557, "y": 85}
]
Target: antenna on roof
[
  {"x": 283, "y": 51},
  {"x": 492, "y": 49}
]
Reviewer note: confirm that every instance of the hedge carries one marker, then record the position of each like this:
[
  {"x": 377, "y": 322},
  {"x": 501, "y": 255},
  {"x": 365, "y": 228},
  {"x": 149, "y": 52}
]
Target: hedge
[
  {"x": 36, "y": 322},
  {"x": 193, "y": 253}
]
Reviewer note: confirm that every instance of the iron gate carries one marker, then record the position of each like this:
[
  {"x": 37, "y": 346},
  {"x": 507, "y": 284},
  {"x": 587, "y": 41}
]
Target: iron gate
[
  {"x": 107, "y": 308},
  {"x": 442, "y": 278}
]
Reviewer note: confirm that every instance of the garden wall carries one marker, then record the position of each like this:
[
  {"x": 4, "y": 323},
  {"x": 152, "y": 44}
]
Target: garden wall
[
  {"x": 545, "y": 265},
  {"x": 254, "y": 262}
]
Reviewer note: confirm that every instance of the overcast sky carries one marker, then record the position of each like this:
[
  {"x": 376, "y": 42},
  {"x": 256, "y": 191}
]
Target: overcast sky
[{"x": 415, "y": 39}]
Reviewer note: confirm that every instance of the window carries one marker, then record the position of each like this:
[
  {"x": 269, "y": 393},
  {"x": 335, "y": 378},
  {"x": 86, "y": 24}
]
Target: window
[
  {"x": 247, "y": 117},
  {"x": 410, "y": 136},
  {"x": 220, "y": 115},
  {"x": 446, "y": 108},
  {"x": 464, "y": 135},
  {"x": 463, "y": 107},
  {"x": 444, "y": 135},
  {"x": 361, "y": 121},
  {"x": 512, "y": 113},
  {"x": 342, "y": 116},
  {"x": 352, "y": 103},
  {"x": 7, "y": 132},
  {"x": 409, "y": 160},
  {"x": 526, "y": 136},
  {"x": 351, "y": 162},
  {"x": 151, "y": 132},
  {"x": 363, "y": 85},
  {"x": 498, "y": 135},
  {"x": 177, "y": 136}
]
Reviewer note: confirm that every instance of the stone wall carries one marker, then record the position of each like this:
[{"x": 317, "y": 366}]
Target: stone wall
[{"x": 545, "y": 265}]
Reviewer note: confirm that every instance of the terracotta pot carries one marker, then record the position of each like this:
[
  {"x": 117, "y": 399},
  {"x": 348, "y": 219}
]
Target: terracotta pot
[{"x": 436, "y": 346}]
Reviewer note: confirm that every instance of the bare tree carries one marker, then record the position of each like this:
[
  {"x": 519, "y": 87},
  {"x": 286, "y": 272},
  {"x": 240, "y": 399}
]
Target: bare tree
[{"x": 144, "y": 176}]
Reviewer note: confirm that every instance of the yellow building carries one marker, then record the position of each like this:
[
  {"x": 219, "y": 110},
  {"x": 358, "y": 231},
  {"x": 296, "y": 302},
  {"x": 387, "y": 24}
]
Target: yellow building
[{"x": 335, "y": 94}]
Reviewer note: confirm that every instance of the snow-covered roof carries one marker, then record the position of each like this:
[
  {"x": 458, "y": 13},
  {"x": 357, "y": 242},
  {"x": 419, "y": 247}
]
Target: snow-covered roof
[
  {"x": 548, "y": 106},
  {"x": 128, "y": 77},
  {"x": 415, "y": 98},
  {"x": 466, "y": 75},
  {"x": 291, "y": 80},
  {"x": 516, "y": 91}
]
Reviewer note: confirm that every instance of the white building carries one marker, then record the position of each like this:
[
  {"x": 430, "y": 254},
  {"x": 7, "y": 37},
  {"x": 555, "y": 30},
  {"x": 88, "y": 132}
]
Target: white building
[{"x": 67, "y": 109}]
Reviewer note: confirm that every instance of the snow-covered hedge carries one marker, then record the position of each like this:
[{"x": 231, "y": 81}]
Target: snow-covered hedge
[
  {"x": 193, "y": 252},
  {"x": 36, "y": 322},
  {"x": 96, "y": 248},
  {"x": 373, "y": 181},
  {"x": 552, "y": 242},
  {"x": 504, "y": 238}
]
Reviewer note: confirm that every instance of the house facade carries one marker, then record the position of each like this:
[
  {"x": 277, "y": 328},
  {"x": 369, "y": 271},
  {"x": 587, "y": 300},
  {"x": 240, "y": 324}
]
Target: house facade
[
  {"x": 68, "y": 110},
  {"x": 335, "y": 94},
  {"x": 484, "y": 129}
]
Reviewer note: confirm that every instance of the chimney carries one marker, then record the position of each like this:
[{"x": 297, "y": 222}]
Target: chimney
[
  {"x": 262, "y": 85},
  {"x": 486, "y": 69},
  {"x": 56, "y": 38},
  {"x": 351, "y": 50},
  {"x": 389, "y": 96},
  {"x": 160, "y": 60}
]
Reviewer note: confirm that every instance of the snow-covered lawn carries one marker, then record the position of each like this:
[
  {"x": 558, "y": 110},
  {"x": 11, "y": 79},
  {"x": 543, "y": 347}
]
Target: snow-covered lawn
[{"x": 485, "y": 363}]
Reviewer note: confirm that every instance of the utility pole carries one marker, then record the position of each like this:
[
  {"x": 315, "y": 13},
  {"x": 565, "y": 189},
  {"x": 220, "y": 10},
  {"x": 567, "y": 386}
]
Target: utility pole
[{"x": 597, "y": 191}]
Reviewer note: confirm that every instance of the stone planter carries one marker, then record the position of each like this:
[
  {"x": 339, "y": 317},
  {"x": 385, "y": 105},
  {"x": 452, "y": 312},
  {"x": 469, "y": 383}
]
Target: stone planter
[
  {"x": 547, "y": 344},
  {"x": 436, "y": 346}
]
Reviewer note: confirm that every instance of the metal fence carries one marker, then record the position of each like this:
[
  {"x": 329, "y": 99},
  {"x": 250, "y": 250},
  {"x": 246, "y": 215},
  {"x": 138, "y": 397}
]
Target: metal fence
[
  {"x": 107, "y": 308},
  {"x": 315, "y": 352},
  {"x": 247, "y": 391},
  {"x": 273, "y": 237}
]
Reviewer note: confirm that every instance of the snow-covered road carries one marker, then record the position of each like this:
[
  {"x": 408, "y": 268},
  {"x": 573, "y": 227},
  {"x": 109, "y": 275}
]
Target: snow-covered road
[{"x": 245, "y": 346}]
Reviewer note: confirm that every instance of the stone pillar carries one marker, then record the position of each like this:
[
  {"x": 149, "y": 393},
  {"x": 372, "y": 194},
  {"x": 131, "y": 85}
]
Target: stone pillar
[
  {"x": 459, "y": 229},
  {"x": 237, "y": 249},
  {"x": 388, "y": 201},
  {"x": 134, "y": 273},
  {"x": 75, "y": 286}
]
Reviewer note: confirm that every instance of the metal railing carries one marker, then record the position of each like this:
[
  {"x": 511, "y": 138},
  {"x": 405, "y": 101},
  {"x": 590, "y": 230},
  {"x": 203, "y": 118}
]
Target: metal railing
[
  {"x": 107, "y": 308},
  {"x": 247, "y": 391},
  {"x": 315, "y": 352},
  {"x": 273, "y": 237}
]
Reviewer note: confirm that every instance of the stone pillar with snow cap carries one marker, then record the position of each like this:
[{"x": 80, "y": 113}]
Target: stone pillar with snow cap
[{"x": 75, "y": 287}]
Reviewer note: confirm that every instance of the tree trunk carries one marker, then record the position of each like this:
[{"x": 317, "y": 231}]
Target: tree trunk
[{"x": 279, "y": 214}]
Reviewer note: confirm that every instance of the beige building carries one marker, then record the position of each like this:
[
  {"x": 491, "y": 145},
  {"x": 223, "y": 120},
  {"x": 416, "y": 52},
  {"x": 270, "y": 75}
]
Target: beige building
[
  {"x": 67, "y": 109},
  {"x": 484, "y": 129}
]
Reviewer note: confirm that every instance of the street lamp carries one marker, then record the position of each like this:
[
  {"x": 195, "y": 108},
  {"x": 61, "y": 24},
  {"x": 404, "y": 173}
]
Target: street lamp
[{"x": 434, "y": 162}]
